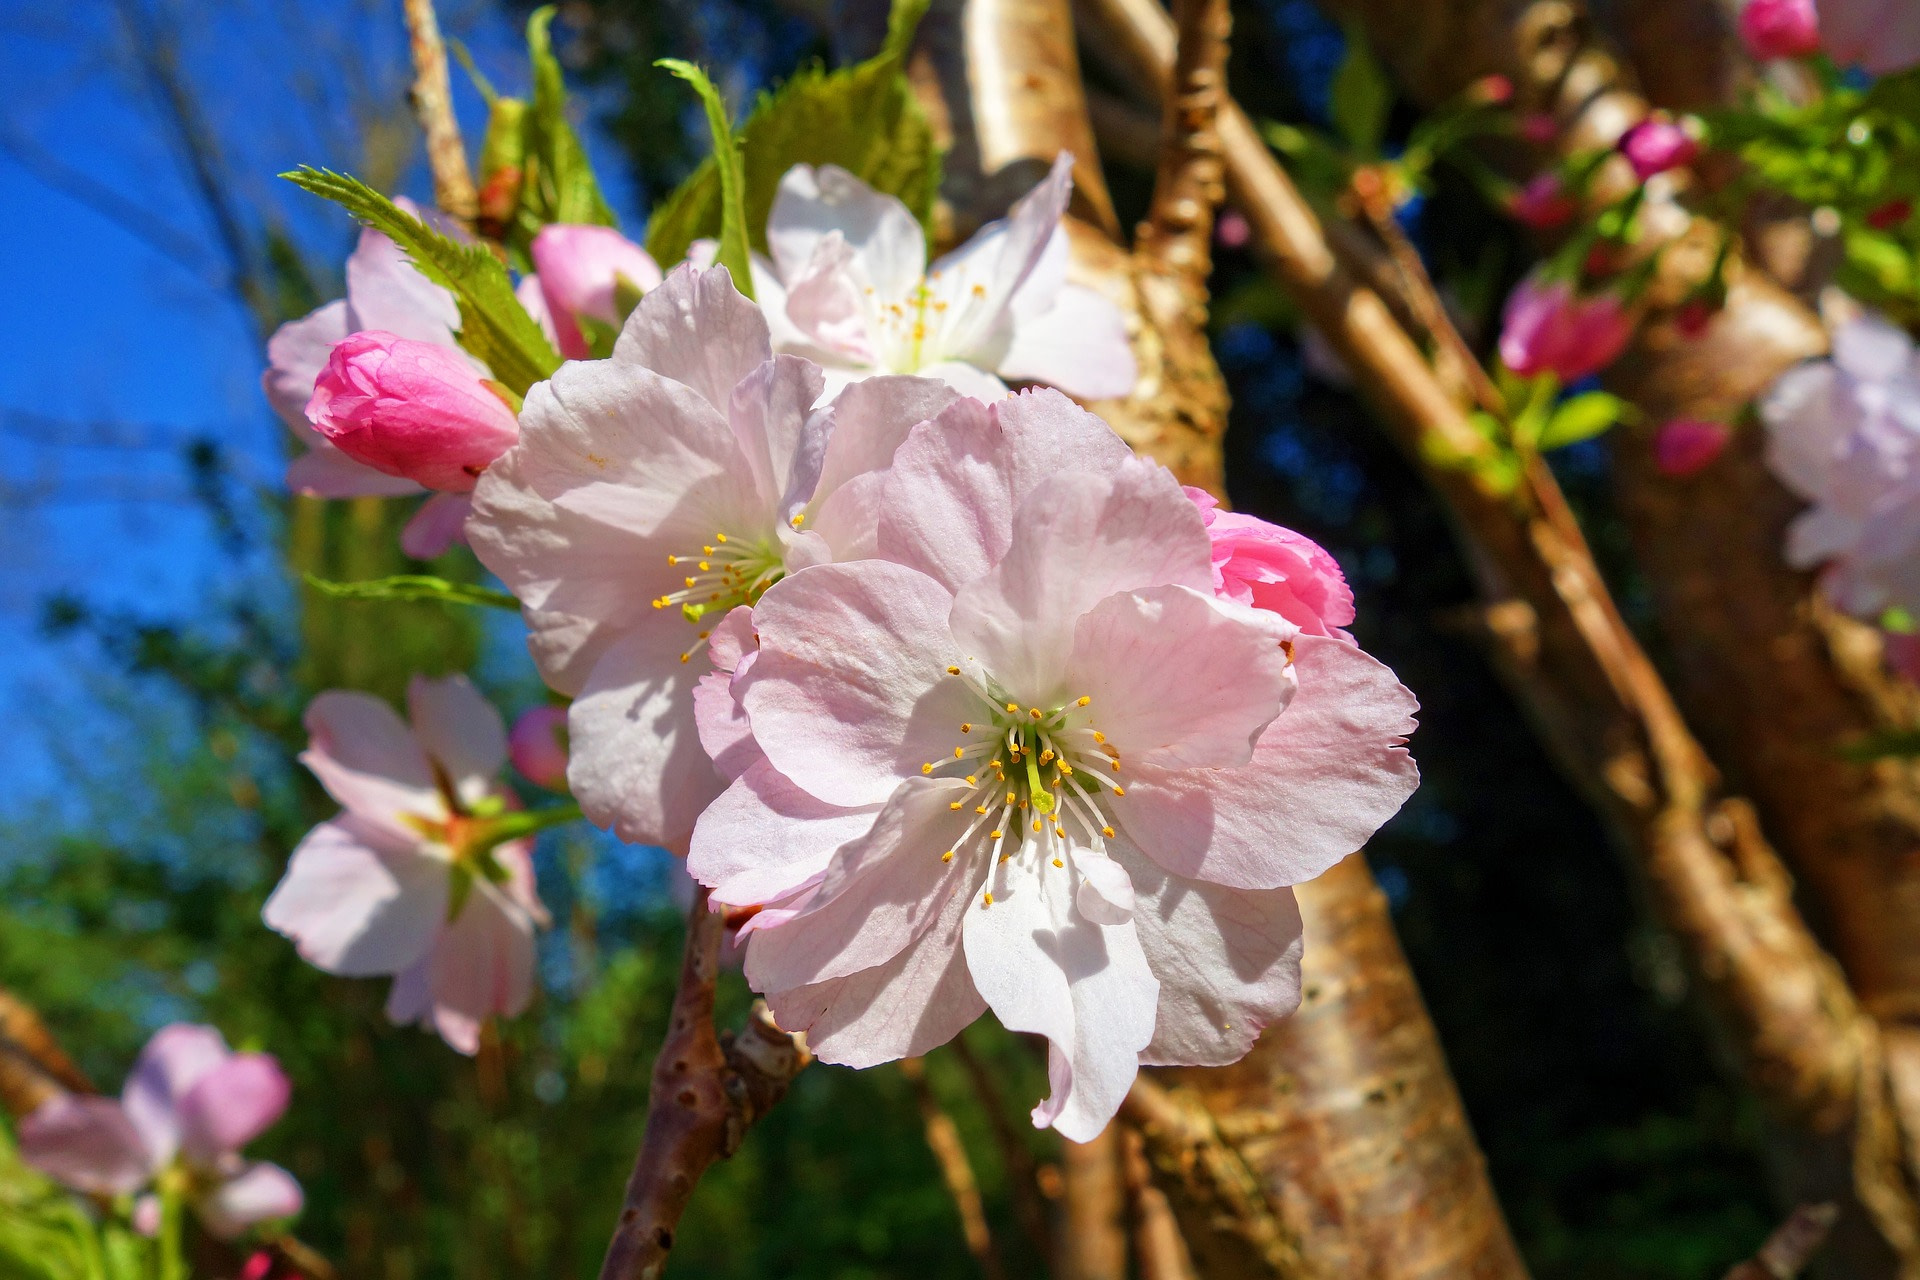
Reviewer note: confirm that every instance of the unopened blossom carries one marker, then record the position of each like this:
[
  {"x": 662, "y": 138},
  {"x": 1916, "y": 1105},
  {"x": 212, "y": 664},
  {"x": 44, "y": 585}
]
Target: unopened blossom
[
  {"x": 411, "y": 409},
  {"x": 1844, "y": 433},
  {"x": 1547, "y": 328},
  {"x": 584, "y": 270},
  {"x": 651, "y": 493},
  {"x": 1024, "y": 759},
  {"x": 181, "y": 1119},
  {"x": 1543, "y": 204},
  {"x": 1878, "y": 36},
  {"x": 1267, "y": 566},
  {"x": 1656, "y": 145},
  {"x": 537, "y": 744},
  {"x": 1687, "y": 446},
  {"x": 412, "y": 877},
  {"x": 849, "y": 286},
  {"x": 1780, "y": 28}
]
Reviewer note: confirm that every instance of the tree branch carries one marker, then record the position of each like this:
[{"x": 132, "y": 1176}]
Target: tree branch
[
  {"x": 1014, "y": 1152},
  {"x": 432, "y": 97},
  {"x": 1159, "y": 1250},
  {"x": 1791, "y": 1246},
  {"x": 33, "y": 1067},
  {"x": 956, "y": 1171},
  {"x": 1093, "y": 1238},
  {"x": 707, "y": 1091}
]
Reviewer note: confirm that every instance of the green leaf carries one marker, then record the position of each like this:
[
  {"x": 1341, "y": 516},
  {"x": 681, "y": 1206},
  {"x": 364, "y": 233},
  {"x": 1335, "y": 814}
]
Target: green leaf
[
  {"x": 493, "y": 324},
  {"x": 733, "y": 253},
  {"x": 1361, "y": 98},
  {"x": 560, "y": 185},
  {"x": 414, "y": 586},
  {"x": 1582, "y": 417},
  {"x": 863, "y": 118}
]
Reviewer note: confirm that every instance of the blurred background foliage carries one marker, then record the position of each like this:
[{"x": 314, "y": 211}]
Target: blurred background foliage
[{"x": 1614, "y": 1144}]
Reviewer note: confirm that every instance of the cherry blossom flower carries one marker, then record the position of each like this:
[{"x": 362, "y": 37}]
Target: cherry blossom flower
[
  {"x": 1844, "y": 433},
  {"x": 652, "y": 492},
  {"x": 182, "y": 1117},
  {"x": 1023, "y": 759},
  {"x": 411, "y": 409},
  {"x": 849, "y": 287},
  {"x": 1687, "y": 446},
  {"x": 537, "y": 745},
  {"x": 1547, "y": 329},
  {"x": 582, "y": 269},
  {"x": 1265, "y": 566},
  {"x": 1780, "y": 28},
  {"x": 419, "y": 875},
  {"x": 1879, "y": 36},
  {"x": 1656, "y": 145}
]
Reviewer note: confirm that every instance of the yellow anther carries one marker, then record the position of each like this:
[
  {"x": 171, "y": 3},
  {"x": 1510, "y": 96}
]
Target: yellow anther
[
  {"x": 979, "y": 808},
  {"x": 719, "y": 537},
  {"x": 688, "y": 654},
  {"x": 966, "y": 728},
  {"x": 1058, "y": 863},
  {"x": 1010, "y": 797},
  {"x": 957, "y": 753},
  {"x": 957, "y": 805},
  {"x": 1107, "y": 832},
  {"x": 705, "y": 567},
  {"x": 947, "y": 856},
  {"x": 1065, "y": 767},
  {"x": 1099, "y": 736},
  {"x": 799, "y": 518},
  {"x": 1013, "y": 707},
  {"x": 1036, "y": 821},
  {"x": 1083, "y": 702},
  {"x": 661, "y": 603},
  {"x": 1046, "y": 757},
  {"x": 1034, "y": 712},
  {"x": 1059, "y": 830},
  {"x": 972, "y": 781},
  {"x": 953, "y": 671},
  {"x": 979, "y": 291},
  {"x": 707, "y": 551},
  {"x": 1119, "y": 790},
  {"x": 688, "y": 581},
  {"x": 995, "y": 834},
  {"x": 988, "y": 901},
  {"x": 673, "y": 560},
  {"x": 927, "y": 767}
]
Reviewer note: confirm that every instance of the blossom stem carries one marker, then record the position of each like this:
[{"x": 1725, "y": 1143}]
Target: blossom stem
[
  {"x": 524, "y": 822},
  {"x": 173, "y": 1263}
]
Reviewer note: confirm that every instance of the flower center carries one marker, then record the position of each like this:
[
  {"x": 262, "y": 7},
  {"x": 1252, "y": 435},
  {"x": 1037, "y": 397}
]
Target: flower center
[
  {"x": 1041, "y": 779},
  {"x": 727, "y": 572}
]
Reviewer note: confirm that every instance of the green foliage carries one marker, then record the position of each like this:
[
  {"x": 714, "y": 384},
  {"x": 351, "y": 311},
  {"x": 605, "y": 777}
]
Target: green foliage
[
  {"x": 733, "y": 253},
  {"x": 493, "y": 324},
  {"x": 1582, "y": 417},
  {"x": 415, "y": 587},
  {"x": 46, "y": 1234},
  {"x": 1362, "y": 98},
  {"x": 863, "y": 118},
  {"x": 559, "y": 183}
]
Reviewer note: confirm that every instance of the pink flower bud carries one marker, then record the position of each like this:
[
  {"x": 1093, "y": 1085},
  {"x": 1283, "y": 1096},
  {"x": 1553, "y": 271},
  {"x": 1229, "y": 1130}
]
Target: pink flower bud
[
  {"x": 538, "y": 746},
  {"x": 1686, "y": 446},
  {"x": 1543, "y": 203},
  {"x": 1549, "y": 330},
  {"x": 579, "y": 267},
  {"x": 1655, "y": 146},
  {"x": 1269, "y": 567},
  {"x": 1539, "y": 128},
  {"x": 1780, "y": 28},
  {"x": 1231, "y": 230},
  {"x": 1693, "y": 317},
  {"x": 412, "y": 409}
]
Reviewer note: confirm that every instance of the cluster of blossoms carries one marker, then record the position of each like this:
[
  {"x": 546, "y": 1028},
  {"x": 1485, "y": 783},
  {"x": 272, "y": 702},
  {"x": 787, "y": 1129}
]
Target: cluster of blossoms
[
  {"x": 1844, "y": 433},
  {"x": 953, "y": 700},
  {"x": 1879, "y": 36},
  {"x": 177, "y": 1127}
]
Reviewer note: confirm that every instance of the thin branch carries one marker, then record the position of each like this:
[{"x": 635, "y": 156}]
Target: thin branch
[
  {"x": 33, "y": 1067},
  {"x": 1093, "y": 1237},
  {"x": 956, "y": 1171},
  {"x": 1022, "y": 1171},
  {"x": 707, "y": 1091},
  {"x": 1791, "y": 1246},
  {"x": 1191, "y": 178},
  {"x": 1159, "y": 1250},
  {"x": 432, "y": 96}
]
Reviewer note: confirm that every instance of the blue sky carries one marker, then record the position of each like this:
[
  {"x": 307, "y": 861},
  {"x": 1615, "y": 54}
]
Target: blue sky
[{"x": 120, "y": 351}]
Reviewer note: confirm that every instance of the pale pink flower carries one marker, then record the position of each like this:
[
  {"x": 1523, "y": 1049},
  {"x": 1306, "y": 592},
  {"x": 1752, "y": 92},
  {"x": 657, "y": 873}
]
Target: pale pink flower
[
  {"x": 537, "y": 744},
  {"x": 1266, "y": 566},
  {"x": 190, "y": 1105},
  {"x": 437, "y": 524},
  {"x": 1879, "y": 36},
  {"x": 849, "y": 287},
  {"x": 410, "y": 409},
  {"x": 580, "y": 268},
  {"x": 1025, "y": 760},
  {"x": 1547, "y": 329},
  {"x": 1656, "y": 145},
  {"x": 408, "y": 879},
  {"x": 1844, "y": 433},
  {"x": 1780, "y": 28},
  {"x": 1687, "y": 446},
  {"x": 652, "y": 492}
]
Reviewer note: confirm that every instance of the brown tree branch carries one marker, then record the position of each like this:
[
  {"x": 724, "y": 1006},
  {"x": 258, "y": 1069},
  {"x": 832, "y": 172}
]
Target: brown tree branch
[
  {"x": 956, "y": 1171},
  {"x": 1791, "y": 1246},
  {"x": 1159, "y": 1250},
  {"x": 432, "y": 98},
  {"x": 707, "y": 1091},
  {"x": 33, "y": 1067},
  {"x": 1022, "y": 1171},
  {"x": 1093, "y": 1237}
]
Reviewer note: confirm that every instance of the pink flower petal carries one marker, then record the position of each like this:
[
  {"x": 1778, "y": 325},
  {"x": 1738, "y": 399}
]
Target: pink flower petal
[
  {"x": 438, "y": 524},
  {"x": 325, "y": 472},
  {"x": 482, "y": 965},
  {"x": 1079, "y": 345},
  {"x": 386, "y": 291},
  {"x": 461, "y": 731},
  {"x": 296, "y": 353},
  {"x": 780, "y": 435},
  {"x": 357, "y": 902},
  {"x": 696, "y": 329},
  {"x": 86, "y": 1143},
  {"x": 765, "y": 837},
  {"x": 538, "y": 746},
  {"x": 579, "y": 266},
  {"x": 230, "y": 1106},
  {"x": 812, "y": 204},
  {"x": 259, "y": 1193},
  {"x": 173, "y": 1061},
  {"x": 871, "y": 420},
  {"x": 367, "y": 758}
]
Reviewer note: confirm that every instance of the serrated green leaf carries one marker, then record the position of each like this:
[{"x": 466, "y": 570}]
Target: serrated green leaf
[
  {"x": 733, "y": 254},
  {"x": 1582, "y": 417},
  {"x": 1361, "y": 98},
  {"x": 414, "y": 586},
  {"x": 493, "y": 325},
  {"x": 560, "y": 184},
  {"x": 863, "y": 118}
]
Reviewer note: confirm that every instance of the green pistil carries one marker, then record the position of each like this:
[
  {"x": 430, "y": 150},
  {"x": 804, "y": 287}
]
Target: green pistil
[{"x": 1042, "y": 798}]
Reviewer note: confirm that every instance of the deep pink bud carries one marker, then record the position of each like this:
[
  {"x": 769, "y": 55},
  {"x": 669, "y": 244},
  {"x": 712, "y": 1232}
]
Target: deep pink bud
[
  {"x": 1686, "y": 445},
  {"x": 579, "y": 267},
  {"x": 1539, "y": 128},
  {"x": 1655, "y": 146},
  {"x": 1693, "y": 317},
  {"x": 1780, "y": 28},
  {"x": 1231, "y": 230},
  {"x": 1543, "y": 203},
  {"x": 1273, "y": 568},
  {"x": 1549, "y": 330},
  {"x": 412, "y": 409},
  {"x": 538, "y": 746}
]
